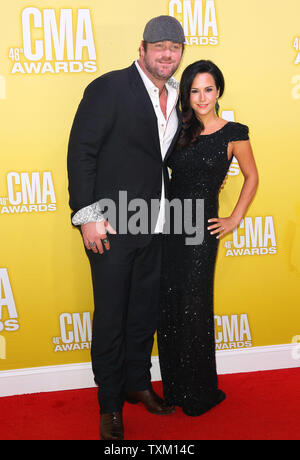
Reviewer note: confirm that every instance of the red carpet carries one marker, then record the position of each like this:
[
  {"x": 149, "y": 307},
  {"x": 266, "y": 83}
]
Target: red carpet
[{"x": 259, "y": 406}]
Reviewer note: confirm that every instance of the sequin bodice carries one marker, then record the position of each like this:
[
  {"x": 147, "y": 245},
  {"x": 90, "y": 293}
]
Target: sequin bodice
[{"x": 199, "y": 170}]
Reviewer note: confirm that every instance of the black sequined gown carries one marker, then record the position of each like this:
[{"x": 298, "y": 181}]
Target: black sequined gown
[{"x": 186, "y": 338}]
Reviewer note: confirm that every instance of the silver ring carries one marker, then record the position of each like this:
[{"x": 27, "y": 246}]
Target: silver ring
[{"x": 92, "y": 245}]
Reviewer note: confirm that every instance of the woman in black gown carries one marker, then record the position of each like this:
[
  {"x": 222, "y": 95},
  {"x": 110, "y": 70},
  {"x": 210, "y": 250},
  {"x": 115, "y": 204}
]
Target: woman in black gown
[{"x": 186, "y": 337}]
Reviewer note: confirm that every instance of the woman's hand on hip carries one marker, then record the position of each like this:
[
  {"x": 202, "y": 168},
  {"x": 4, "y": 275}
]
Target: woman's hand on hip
[{"x": 222, "y": 225}]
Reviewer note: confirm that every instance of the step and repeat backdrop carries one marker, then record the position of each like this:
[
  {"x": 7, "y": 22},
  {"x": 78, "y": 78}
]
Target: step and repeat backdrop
[{"x": 50, "y": 51}]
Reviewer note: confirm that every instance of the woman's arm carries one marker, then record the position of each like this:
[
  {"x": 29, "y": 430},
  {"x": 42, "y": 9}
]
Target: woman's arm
[{"x": 242, "y": 151}]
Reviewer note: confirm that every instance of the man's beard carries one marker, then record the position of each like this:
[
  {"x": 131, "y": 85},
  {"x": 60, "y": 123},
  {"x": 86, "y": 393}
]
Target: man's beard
[{"x": 156, "y": 73}]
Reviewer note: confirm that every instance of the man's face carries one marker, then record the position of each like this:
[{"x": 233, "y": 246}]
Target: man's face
[{"x": 161, "y": 59}]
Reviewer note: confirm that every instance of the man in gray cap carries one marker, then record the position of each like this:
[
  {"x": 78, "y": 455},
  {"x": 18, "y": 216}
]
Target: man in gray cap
[{"x": 124, "y": 131}]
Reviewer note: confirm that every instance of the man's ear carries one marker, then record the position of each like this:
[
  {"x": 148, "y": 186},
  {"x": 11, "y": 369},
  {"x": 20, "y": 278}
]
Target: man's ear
[{"x": 141, "y": 50}]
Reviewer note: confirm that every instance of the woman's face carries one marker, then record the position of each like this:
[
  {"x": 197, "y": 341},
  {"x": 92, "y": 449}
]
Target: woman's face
[{"x": 204, "y": 95}]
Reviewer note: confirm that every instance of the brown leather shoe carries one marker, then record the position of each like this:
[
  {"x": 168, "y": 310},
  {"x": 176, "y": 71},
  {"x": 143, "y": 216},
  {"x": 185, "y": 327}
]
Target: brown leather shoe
[
  {"x": 111, "y": 427},
  {"x": 152, "y": 402}
]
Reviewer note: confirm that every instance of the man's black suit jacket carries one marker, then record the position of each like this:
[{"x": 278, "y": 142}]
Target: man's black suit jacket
[{"x": 114, "y": 143}]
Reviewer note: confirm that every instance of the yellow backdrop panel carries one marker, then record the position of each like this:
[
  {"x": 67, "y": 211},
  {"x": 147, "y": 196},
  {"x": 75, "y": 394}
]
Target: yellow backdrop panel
[{"x": 49, "y": 55}]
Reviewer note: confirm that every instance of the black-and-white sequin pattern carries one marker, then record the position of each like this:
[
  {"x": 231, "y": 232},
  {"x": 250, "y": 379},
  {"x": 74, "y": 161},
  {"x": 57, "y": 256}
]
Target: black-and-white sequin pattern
[
  {"x": 173, "y": 82},
  {"x": 91, "y": 213}
]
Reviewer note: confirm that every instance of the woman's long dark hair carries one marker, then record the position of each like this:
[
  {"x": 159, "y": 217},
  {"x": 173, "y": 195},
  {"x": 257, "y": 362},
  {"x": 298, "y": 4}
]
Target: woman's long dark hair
[{"x": 191, "y": 126}]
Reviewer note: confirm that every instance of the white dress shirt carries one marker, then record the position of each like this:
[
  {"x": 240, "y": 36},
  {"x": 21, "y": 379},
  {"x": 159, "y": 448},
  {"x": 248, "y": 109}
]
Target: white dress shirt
[{"x": 167, "y": 128}]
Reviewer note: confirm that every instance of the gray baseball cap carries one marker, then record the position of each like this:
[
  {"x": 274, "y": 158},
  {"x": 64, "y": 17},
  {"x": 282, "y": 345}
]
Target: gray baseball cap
[{"x": 164, "y": 28}]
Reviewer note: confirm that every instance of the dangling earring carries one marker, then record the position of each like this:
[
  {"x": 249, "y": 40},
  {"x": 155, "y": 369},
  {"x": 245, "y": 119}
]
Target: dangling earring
[{"x": 217, "y": 107}]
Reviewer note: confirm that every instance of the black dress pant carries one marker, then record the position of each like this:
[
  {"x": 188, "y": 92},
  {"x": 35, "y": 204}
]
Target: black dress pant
[{"x": 126, "y": 281}]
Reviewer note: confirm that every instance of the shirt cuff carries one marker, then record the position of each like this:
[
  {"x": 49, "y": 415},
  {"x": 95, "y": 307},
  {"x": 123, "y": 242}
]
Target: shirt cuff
[{"x": 91, "y": 213}]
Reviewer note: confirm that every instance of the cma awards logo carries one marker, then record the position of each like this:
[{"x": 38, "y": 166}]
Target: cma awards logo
[
  {"x": 76, "y": 332},
  {"x": 232, "y": 332},
  {"x": 254, "y": 236},
  {"x": 28, "y": 192},
  {"x": 8, "y": 312},
  {"x": 55, "y": 41},
  {"x": 198, "y": 19}
]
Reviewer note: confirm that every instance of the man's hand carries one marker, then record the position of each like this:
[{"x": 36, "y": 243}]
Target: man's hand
[{"x": 95, "y": 236}]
